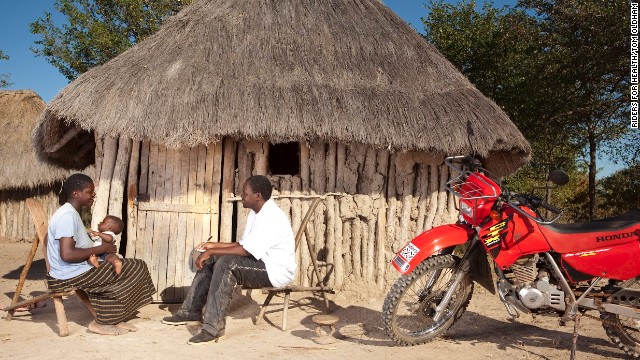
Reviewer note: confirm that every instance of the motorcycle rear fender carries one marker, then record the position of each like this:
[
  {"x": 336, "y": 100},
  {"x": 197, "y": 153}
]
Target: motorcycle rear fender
[{"x": 427, "y": 243}]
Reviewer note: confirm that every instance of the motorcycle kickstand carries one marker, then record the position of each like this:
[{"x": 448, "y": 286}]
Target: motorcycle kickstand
[{"x": 574, "y": 339}]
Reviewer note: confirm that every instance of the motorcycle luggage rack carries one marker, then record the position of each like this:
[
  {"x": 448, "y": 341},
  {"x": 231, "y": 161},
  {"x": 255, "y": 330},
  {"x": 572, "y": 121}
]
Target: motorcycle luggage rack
[{"x": 462, "y": 187}]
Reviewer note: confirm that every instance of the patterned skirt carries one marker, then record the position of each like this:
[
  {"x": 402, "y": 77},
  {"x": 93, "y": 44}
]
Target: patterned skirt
[{"x": 114, "y": 298}]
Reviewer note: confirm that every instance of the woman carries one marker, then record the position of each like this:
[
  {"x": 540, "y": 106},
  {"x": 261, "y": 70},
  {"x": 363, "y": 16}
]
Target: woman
[{"x": 114, "y": 298}]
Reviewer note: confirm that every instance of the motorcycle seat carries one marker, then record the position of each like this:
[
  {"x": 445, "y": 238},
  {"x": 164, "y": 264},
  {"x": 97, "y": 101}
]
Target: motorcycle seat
[{"x": 614, "y": 223}]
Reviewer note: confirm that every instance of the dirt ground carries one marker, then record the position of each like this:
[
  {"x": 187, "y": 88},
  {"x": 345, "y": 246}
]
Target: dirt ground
[{"x": 482, "y": 332}]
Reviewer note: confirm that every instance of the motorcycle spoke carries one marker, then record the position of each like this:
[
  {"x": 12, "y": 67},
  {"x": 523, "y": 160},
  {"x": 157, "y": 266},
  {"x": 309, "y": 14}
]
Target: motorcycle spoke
[{"x": 414, "y": 314}]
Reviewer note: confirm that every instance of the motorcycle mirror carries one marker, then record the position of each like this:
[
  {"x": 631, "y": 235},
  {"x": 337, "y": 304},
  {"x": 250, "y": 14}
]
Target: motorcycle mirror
[{"x": 558, "y": 177}]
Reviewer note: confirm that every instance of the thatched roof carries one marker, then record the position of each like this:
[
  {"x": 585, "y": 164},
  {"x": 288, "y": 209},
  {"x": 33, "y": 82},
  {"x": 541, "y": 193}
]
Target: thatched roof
[
  {"x": 286, "y": 70},
  {"x": 19, "y": 111}
]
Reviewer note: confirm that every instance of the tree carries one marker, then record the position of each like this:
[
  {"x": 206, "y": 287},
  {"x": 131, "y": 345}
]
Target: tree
[
  {"x": 98, "y": 30},
  {"x": 588, "y": 42},
  {"x": 499, "y": 51},
  {"x": 4, "y": 78},
  {"x": 559, "y": 68},
  {"x": 620, "y": 191}
]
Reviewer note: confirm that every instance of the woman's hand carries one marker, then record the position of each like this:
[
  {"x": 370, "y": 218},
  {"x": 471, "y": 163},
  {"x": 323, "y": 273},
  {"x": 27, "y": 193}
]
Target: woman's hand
[{"x": 107, "y": 247}]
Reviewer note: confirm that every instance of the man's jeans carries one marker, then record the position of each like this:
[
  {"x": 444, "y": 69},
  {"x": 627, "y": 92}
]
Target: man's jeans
[{"x": 213, "y": 285}]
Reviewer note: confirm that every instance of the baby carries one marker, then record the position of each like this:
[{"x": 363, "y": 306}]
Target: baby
[{"x": 107, "y": 231}]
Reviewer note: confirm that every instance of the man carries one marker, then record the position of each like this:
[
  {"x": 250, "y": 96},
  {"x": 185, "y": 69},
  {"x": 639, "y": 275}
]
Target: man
[{"x": 265, "y": 257}]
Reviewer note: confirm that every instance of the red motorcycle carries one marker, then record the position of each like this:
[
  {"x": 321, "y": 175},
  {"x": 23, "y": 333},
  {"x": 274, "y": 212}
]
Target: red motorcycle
[{"x": 540, "y": 267}]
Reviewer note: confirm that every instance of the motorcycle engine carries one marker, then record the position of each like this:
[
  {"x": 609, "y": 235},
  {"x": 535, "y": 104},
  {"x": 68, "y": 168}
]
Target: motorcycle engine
[
  {"x": 542, "y": 294},
  {"x": 531, "y": 283}
]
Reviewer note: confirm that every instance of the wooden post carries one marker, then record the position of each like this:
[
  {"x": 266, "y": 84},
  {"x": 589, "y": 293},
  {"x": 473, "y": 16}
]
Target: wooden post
[
  {"x": 150, "y": 224},
  {"x": 422, "y": 192},
  {"x": 304, "y": 167},
  {"x": 262, "y": 158},
  {"x": 381, "y": 241},
  {"x": 433, "y": 197},
  {"x": 116, "y": 190},
  {"x": 142, "y": 189},
  {"x": 337, "y": 252},
  {"x": 228, "y": 175},
  {"x": 371, "y": 242},
  {"x": 245, "y": 167},
  {"x": 132, "y": 193},
  {"x": 346, "y": 236},
  {"x": 180, "y": 190},
  {"x": 296, "y": 215},
  {"x": 442, "y": 195},
  {"x": 159, "y": 243},
  {"x": 341, "y": 154},
  {"x": 392, "y": 208},
  {"x": 331, "y": 238},
  {"x": 215, "y": 189},
  {"x": 187, "y": 186},
  {"x": 305, "y": 180},
  {"x": 101, "y": 204},
  {"x": 404, "y": 182},
  {"x": 356, "y": 246},
  {"x": 99, "y": 154}
]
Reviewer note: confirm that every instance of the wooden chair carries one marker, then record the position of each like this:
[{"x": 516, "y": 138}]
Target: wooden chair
[
  {"x": 40, "y": 220},
  {"x": 287, "y": 290}
]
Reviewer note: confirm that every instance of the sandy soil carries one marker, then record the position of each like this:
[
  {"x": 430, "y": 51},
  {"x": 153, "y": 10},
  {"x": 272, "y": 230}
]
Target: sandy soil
[{"x": 482, "y": 332}]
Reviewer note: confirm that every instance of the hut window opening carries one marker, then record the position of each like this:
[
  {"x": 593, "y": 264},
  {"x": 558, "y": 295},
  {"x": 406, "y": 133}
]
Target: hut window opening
[{"x": 284, "y": 159}]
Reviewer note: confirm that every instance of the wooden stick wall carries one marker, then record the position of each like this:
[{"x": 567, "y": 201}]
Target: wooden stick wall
[
  {"x": 385, "y": 200},
  {"x": 15, "y": 221}
]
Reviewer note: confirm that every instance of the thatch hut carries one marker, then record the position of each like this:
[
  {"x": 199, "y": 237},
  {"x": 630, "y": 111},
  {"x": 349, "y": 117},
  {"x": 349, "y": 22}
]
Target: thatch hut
[
  {"x": 23, "y": 175},
  {"x": 338, "y": 97}
]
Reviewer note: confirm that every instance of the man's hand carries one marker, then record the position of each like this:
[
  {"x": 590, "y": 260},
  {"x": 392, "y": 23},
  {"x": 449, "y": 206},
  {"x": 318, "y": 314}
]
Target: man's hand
[
  {"x": 205, "y": 246},
  {"x": 201, "y": 259}
]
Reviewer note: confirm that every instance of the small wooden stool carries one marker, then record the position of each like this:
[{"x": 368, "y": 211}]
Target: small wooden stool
[{"x": 324, "y": 320}]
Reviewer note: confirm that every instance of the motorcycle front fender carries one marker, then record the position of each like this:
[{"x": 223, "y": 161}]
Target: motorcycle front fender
[{"x": 429, "y": 242}]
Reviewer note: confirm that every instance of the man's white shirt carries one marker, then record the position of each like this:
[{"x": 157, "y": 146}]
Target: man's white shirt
[{"x": 268, "y": 237}]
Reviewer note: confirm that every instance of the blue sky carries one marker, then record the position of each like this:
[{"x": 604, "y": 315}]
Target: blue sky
[{"x": 28, "y": 71}]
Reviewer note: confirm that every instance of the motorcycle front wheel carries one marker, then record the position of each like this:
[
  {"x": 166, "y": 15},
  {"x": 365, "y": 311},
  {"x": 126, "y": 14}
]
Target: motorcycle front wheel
[{"x": 409, "y": 308}]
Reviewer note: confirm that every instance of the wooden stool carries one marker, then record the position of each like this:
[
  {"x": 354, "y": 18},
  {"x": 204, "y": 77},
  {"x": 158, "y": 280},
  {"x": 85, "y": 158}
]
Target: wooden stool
[{"x": 324, "y": 320}]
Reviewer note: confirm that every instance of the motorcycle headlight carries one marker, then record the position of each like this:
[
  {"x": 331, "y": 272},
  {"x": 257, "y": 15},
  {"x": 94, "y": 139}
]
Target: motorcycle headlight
[{"x": 466, "y": 209}]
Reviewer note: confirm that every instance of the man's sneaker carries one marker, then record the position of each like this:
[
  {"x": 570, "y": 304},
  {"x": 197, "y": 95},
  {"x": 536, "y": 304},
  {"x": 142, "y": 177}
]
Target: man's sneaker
[
  {"x": 203, "y": 338},
  {"x": 179, "y": 320}
]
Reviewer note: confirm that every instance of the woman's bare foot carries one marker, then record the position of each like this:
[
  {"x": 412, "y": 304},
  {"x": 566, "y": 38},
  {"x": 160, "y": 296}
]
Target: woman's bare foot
[
  {"x": 106, "y": 329},
  {"x": 126, "y": 326}
]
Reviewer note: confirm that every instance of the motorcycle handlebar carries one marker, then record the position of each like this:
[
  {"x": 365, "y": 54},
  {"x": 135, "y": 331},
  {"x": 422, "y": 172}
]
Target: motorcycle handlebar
[
  {"x": 534, "y": 202},
  {"x": 551, "y": 208}
]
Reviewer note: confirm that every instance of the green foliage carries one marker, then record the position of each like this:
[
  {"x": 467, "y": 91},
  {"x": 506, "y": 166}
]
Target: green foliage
[
  {"x": 4, "y": 78},
  {"x": 97, "y": 30},
  {"x": 620, "y": 192},
  {"x": 587, "y": 42},
  {"x": 559, "y": 68}
]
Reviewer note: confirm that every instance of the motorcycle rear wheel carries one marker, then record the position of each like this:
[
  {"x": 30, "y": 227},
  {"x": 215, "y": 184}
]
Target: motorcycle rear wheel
[
  {"x": 408, "y": 309},
  {"x": 623, "y": 331}
]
